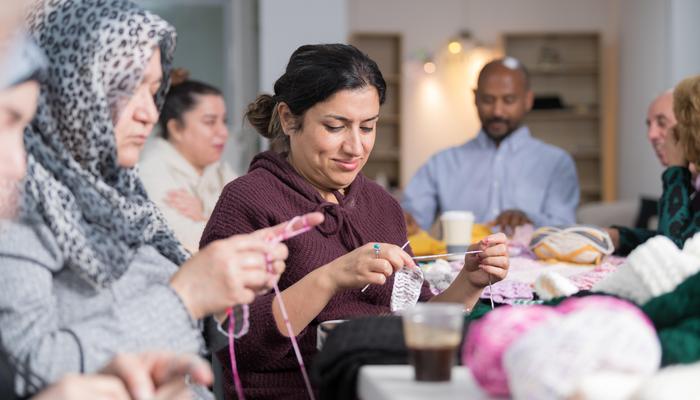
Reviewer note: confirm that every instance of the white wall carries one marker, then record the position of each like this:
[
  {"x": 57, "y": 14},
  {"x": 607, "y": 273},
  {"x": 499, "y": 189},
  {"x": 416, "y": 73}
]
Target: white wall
[
  {"x": 427, "y": 126},
  {"x": 684, "y": 37},
  {"x": 644, "y": 73},
  {"x": 658, "y": 41},
  {"x": 286, "y": 25}
]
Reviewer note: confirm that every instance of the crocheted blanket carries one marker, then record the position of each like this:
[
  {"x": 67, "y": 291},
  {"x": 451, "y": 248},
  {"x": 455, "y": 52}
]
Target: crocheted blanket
[{"x": 518, "y": 287}]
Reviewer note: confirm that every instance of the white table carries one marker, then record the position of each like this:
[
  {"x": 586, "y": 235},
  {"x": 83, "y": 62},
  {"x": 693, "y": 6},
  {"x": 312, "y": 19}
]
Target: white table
[{"x": 394, "y": 382}]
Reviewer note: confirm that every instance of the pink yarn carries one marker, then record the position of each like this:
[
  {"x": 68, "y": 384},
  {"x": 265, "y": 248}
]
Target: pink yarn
[
  {"x": 577, "y": 303},
  {"x": 488, "y": 338}
]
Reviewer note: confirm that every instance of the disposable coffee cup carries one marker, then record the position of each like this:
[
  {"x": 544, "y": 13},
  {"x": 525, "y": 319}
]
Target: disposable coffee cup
[
  {"x": 433, "y": 332},
  {"x": 457, "y": 230}
]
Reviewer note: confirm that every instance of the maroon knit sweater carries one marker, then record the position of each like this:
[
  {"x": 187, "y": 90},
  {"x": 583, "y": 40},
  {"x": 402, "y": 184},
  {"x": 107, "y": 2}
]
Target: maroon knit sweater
[{"x": 273, "y": 192}]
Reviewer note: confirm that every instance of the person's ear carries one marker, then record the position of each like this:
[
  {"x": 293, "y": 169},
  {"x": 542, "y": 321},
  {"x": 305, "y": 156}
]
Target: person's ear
[
  {"x": 529, "y": 100},
  {"x": 287, "y": 119}
]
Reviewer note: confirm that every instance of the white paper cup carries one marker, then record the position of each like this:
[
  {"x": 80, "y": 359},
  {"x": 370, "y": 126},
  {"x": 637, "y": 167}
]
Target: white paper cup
[{"x": 457, "y": 230}]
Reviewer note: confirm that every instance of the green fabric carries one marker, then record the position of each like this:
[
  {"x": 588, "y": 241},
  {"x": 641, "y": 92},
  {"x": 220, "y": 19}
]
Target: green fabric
[
  {"x": 676, "y": 317},
  {"x": 479, "y": 310},
  {"x": 630, "y": 238},
  {"x": 681, "y": 344},
  {"x": 677, "y": 220}
]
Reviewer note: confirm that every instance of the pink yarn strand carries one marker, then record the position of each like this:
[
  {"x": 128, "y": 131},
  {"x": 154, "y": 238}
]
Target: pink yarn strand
[
  {"x": 295, "y": 345},
  {"x": 288, "y": 233},
  {"x": 232, "y": 355}
]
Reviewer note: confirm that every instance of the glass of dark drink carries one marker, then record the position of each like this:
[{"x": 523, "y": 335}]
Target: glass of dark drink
[{"x": 433, "y": 332}]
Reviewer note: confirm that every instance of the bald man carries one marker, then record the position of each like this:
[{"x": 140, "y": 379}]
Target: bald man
[
  {"x": 660, "y": 122},
  {"x": 504, "y": 175}
]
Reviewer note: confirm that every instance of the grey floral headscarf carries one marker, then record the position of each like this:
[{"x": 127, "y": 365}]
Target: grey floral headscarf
[{"x": 98, "y": 212}]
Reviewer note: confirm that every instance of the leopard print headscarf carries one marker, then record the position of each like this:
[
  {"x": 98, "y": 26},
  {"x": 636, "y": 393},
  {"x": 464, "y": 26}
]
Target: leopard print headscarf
[{"x": 98, "y": 212}]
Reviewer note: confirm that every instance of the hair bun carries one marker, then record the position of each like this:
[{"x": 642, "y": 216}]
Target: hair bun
[{"x": 179, "y": 76}]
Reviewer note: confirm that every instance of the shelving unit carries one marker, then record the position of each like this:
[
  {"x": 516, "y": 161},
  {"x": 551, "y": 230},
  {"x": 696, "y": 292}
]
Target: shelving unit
[
  {"x": 384, "y": 164},
  {"x": 569, "y": 66}
]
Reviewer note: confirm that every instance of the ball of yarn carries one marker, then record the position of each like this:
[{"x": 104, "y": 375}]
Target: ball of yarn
[
  {"x": 488, "y": 338},
  {"x": 550, "y": 360}
]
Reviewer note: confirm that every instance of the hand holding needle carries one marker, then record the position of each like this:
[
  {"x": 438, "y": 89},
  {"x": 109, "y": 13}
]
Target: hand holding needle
[{"x": 376, "y": 253}]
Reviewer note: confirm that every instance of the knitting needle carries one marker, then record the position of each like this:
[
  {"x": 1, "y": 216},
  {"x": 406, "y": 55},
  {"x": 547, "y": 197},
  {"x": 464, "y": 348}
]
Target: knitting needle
[
  {"x": 402, "y": 248},
  {"x": 430, "y": 257}
]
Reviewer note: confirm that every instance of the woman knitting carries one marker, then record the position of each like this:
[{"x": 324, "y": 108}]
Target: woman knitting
[{"x": 322, "y": 119}]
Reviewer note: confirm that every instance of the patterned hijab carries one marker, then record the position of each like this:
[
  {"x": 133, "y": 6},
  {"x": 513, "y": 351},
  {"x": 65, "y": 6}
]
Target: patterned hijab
[{"x": 97, "y": 211}]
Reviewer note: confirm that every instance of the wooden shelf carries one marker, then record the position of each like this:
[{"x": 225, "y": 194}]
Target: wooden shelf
[
  {"x": 392, "y": 78},
  {"x": 590, "y": 189},
  {"x": 585, "y": 155},
  {"x": 385, "y": 155},
  {"x": 384, "y": 164},
  {"x": 565, "y": 114},
  {"x": 389, "y": 119},
  {"x": 562, "y": 70},
  {"x": 569, "y": 65}
]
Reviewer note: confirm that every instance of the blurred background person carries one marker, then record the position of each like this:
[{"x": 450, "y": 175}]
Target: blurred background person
[
  {"x": 504, "y": 176},
  {"x": 181, "y": 170}
]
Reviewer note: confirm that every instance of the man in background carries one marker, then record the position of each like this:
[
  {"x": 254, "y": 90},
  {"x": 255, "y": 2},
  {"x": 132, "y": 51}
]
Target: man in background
[{"x": 504, "y": 176}]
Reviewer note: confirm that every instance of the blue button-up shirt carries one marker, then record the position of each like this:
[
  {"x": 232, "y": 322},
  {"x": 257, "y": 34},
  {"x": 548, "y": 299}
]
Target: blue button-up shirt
[{"x": 522, "y": 173}]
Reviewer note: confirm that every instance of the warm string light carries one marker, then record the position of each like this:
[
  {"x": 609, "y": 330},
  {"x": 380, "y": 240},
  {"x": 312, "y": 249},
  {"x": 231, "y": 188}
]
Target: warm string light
[
  {"x": 455, "y": 47},
  {"x": 429, "y": 67}
]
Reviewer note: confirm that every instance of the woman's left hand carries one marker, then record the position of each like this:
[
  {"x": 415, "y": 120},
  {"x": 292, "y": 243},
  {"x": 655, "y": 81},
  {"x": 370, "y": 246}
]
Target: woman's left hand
[{"x": 493, "y": 261}]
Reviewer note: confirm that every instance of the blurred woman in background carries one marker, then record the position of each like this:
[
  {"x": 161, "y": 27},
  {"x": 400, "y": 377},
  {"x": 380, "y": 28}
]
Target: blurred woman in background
[{"x": 182, "y": 171}]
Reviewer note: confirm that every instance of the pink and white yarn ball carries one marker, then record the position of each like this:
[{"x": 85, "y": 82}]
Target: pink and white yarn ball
[
  {"x": 488, "y": 338},
  {"x": 530, "y": 352}
]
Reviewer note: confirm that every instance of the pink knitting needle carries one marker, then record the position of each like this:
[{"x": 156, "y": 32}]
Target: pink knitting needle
[{"x": 402, "y": 248}]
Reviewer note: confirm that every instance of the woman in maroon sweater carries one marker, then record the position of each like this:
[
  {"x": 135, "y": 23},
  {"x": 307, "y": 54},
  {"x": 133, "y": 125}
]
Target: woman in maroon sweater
[{"x": 322, "y": 122}]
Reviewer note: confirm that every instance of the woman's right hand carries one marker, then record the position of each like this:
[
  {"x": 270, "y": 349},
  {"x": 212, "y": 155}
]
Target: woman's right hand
[
  {"x": 363, "y": 266},
  {"x": 232, "y": 271}
]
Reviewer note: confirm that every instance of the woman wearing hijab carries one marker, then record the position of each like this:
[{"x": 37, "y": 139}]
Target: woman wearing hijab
[
  {"x": 146, "y": 375},
  {"x": 91, "y": 269}
]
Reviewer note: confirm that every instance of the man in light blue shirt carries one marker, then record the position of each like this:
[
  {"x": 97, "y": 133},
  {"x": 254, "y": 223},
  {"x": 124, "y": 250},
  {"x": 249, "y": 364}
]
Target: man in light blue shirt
[{"x": 504, "y": 175}]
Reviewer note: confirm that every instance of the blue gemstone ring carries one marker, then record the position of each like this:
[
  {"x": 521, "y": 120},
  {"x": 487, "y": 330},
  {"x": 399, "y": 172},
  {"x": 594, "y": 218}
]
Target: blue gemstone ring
[{"x": 376, "y": 249}]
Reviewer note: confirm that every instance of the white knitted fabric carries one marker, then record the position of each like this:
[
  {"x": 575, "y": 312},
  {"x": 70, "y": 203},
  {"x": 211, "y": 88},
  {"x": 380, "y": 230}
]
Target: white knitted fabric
[
  {"x": 652, "y": 269},
  {"x": 549, "y": 361},
  {"x": 407, "y": 286},
  {"x": 550, "y": 284}
]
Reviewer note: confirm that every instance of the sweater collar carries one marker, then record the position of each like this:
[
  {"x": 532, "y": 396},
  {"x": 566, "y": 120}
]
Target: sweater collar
[{"x": 339, "y": 217}]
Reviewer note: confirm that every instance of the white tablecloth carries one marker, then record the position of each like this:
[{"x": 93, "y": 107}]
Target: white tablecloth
[{"x": 395, "y": 382}]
